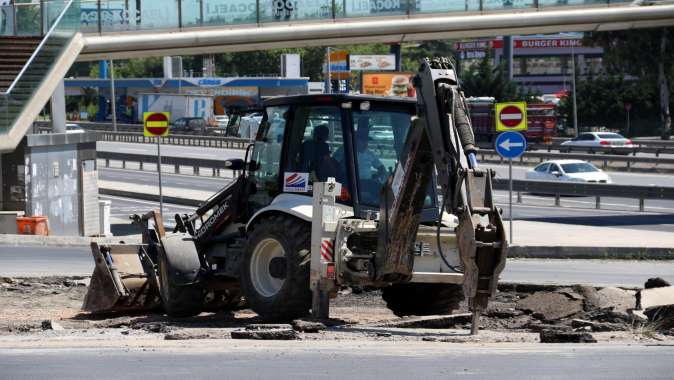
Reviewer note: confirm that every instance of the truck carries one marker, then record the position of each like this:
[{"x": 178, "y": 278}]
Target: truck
[
  {"x": 179, "y": 105},
  {"x": 321, "y": 202},
  {"x": 541, "y": 120}
]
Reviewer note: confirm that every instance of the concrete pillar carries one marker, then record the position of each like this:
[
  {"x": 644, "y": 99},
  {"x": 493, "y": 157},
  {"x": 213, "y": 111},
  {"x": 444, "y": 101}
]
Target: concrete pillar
[
  {"x": 58, "y": 109},
  {"x": 168, "y": 68}
]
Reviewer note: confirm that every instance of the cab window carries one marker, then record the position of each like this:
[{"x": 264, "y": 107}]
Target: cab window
[
  {"x": 267, "y": 154},
  {"x": 379, "y": 137},
  {"x": 313, "y": 145}
]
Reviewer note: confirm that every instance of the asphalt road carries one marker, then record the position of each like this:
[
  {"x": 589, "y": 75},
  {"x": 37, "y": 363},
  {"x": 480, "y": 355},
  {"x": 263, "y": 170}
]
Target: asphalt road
[
  {"x": 615, "y": 212},
  {"x": 52, "y": 261},
  {"x": 346, "y": 360}
]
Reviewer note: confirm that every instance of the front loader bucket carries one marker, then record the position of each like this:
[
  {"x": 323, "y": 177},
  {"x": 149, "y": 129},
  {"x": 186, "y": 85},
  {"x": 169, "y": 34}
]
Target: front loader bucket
[{"x": 121, "y": 280}]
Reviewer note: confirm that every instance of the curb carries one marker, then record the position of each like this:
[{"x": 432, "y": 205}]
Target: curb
[
  {"x": 596, "y": 253},
  {"x": 61, "y": 241}
]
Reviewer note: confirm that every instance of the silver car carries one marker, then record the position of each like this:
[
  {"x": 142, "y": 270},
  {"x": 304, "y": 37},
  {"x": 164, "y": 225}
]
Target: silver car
[{"x": 613, "y": 142}]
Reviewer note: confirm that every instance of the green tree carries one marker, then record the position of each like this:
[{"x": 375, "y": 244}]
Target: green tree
[
  {"x": 647, "y": 54},
  {"x": 481, "y": 79},
  {"x": 413, "y": 54},
  {"x": 601, "y": 100}
]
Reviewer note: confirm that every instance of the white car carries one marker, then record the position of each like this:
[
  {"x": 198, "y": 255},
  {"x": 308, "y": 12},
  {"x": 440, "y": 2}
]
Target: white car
[
  {"x": 568, "y": 171},
  {"x": 587, "y": 140},
  {"x": 222, "y": 120},
  {"x": 73, "y": 128}
]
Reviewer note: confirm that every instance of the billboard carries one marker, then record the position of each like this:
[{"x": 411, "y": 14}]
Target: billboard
[
  {"x": 388, "y": 84},
  {"x": 372, "y": 62}
]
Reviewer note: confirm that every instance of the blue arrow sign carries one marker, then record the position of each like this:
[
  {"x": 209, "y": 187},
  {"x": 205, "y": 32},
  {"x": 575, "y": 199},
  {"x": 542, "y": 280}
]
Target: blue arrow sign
[{"x": 510, "y": 144}]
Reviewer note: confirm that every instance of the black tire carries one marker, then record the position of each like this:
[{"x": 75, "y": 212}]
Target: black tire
[
  {"x": 422, "y": 299},
  {"x": 289, "y": 295},
  {"x": 178, "y": 300}
]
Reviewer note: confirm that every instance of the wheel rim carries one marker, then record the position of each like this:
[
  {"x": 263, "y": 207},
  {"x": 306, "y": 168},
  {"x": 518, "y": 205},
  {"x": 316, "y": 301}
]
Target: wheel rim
[{"x": 262, "y": 280}]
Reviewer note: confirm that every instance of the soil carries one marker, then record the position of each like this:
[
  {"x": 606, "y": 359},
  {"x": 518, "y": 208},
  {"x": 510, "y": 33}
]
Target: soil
[{"x": 34, "y": 308}]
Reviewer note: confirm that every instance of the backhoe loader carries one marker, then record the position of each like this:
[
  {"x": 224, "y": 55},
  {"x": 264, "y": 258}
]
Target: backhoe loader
[{"x": 337, "y": 190}]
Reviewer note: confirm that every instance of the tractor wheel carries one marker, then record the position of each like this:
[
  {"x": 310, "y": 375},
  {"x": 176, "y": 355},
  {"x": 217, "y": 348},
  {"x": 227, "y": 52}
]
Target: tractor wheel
[
  {"x": 422, "y": 299},
  {"x": 178, "y": 300},
  {"x": 275, "y": 270}
]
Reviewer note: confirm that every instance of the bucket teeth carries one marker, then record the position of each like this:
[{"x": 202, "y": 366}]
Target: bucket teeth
[{"x": 121, "y": 281}]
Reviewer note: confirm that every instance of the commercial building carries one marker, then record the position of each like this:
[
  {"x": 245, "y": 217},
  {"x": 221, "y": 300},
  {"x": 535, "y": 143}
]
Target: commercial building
[{"x": 540, "y": 63}]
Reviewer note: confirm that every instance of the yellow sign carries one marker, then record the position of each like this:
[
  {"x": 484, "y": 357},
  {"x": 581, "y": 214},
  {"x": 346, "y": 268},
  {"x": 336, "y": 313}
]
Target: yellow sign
[
  {"x": 511, "y": 116},
  {"x": 339, "y": 65},
  {"x": 156, "y": 123},
  {"x": 388, "y": 84}
]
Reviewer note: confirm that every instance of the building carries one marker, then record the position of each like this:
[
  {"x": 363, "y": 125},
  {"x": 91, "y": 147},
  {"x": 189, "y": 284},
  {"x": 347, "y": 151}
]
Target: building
[
  {"x": 540, "y": 63},
  {"x": 227, "y": 93}
]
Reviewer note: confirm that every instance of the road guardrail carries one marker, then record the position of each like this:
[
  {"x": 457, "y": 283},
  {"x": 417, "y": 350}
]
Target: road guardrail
[
  {"x": 558, "y": 189},
  {"x": 128, "y": 131},
  {"x": 216, "y": 166},
  {"x": 585, "y": 189},
  {"x": 183, "y": 140},
  {"x": 489, "y": 155}
]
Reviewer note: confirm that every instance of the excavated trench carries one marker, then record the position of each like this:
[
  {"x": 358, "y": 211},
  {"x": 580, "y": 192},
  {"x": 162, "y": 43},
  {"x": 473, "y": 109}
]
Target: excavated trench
[{"x": 47, "y": 306}]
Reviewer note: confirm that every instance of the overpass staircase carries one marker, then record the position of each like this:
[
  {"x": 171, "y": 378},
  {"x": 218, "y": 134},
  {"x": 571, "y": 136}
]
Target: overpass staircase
[{"x": 31, "y": 68}]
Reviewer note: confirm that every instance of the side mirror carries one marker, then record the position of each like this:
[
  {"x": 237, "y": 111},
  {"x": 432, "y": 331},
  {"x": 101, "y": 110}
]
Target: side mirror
[
  {"x": 235, "y": 164},
  {"x": 556, "y": 173},
  {"x": 239, "y": 164}
]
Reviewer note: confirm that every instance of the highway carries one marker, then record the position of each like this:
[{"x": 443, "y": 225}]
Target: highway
[
  {"x": 77, "y": 261},
  {"x": 616, "y": 212}
]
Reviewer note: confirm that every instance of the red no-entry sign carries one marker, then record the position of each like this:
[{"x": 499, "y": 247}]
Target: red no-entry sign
[
  {"x": 156, "y": 123},
  {"x": 511, "y": 116}
]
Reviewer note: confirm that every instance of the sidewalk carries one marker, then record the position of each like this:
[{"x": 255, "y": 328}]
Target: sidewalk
[{"x": 553, "y": 240}]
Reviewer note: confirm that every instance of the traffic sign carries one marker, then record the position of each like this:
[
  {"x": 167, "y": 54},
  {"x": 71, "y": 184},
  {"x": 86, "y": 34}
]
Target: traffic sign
[
  {"x": 510, "y": 144},
  {"x": 511, "y": 116},
  {"x": 156, "y": 123}
]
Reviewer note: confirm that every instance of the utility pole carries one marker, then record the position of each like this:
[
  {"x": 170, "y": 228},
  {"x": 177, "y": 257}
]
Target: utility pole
[
  {"x": 573, "y": 84},
  {"x": 328, "y": 79},
  {"x": 113, "y": 102}
]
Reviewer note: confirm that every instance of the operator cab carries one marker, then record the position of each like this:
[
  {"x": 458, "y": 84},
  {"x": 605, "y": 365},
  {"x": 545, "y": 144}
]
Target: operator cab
[{"x": 356, "y": 139}]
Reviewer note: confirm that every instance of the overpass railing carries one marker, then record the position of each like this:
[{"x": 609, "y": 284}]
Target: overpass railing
[{"x": 105, "y": 16}]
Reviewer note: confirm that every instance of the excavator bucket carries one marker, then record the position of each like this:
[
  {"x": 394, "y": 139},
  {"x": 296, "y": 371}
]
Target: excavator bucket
[{"x": 123, "y": 280}]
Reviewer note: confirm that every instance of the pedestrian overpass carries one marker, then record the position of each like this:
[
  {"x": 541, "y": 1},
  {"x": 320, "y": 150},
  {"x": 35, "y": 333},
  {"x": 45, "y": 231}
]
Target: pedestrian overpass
[{"x": 40, "y": 41}]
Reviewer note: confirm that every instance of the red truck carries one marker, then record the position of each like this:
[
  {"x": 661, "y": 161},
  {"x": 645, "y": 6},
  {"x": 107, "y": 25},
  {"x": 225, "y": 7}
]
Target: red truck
[{"x": 541, "y": 120}]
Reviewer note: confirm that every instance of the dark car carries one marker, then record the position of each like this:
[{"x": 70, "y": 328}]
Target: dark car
[{"x": 189, "y": 125}]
